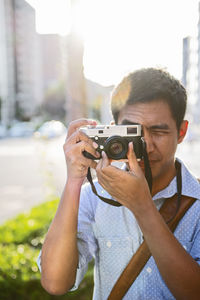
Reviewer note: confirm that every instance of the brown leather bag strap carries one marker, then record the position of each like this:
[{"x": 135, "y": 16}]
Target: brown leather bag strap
[{"x": 143, "y": 253}]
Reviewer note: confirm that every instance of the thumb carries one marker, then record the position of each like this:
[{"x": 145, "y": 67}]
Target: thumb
[{"x": 132, "y": 160}]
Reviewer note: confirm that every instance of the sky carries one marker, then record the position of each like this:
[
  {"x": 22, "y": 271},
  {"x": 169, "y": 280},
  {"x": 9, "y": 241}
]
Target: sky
[{"x": 123, "y": 35}]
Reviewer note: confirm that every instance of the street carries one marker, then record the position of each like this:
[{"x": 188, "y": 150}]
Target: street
[{"x": 33, "y": 170}]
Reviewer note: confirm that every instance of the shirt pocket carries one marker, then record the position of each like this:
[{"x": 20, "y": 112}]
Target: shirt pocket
[{"x": 114, "y": 255}]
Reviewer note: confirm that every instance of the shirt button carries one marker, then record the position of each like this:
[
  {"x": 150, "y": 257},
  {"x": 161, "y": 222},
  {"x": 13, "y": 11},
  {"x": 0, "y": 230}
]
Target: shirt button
[
  {"x": 109, "y": 244},
  {"x": 149, "y": 270}
]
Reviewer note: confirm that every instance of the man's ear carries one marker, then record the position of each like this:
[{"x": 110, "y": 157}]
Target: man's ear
[
  {"x": 112, "y": 122},
  {"x": 182, "y": 131}
]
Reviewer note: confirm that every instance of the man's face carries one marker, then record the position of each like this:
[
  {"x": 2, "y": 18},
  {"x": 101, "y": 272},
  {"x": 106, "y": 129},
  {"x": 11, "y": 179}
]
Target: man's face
[{"x": 160, "y": 134}]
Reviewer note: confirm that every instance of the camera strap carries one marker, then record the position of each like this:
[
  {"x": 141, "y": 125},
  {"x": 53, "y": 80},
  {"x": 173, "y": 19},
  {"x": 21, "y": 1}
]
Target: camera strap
[{"x": 148, "y": 176}]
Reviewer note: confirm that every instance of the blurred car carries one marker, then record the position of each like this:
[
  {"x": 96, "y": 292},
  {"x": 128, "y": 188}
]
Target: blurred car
[
  {"x": 3, "y": 131},
  {"x": 51, "y": 129},
  {"x": 21, "y": 129}
]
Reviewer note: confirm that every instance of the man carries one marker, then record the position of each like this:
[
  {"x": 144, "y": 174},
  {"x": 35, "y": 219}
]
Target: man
[{"x": 111, "y": 235}]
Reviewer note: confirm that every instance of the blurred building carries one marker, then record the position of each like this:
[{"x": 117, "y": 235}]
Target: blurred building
[
  {"x": 7, "y": 62},
  {"x": 54, "y": 73},
  {"x": 36, "y": 68},
  {"x": 28, "y": 60},
  {"x": 52, "y": 62},
  {"x": 20, "y": 79},
  {"x": 190, "y": 72}
]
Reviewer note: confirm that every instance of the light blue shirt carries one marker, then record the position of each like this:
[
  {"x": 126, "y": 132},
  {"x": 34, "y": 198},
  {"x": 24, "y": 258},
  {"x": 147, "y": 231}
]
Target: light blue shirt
[{"x": 111, "y": 235}]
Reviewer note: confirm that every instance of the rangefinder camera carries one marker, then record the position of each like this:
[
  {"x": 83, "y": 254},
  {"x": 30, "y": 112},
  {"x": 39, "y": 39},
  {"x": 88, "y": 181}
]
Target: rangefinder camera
[{"x": 114, "y": 140}]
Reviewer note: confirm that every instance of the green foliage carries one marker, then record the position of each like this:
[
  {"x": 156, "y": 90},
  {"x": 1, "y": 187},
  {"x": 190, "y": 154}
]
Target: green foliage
[
  {"x": 30, "y": 227},
  {"x": 20, "y": 242}
]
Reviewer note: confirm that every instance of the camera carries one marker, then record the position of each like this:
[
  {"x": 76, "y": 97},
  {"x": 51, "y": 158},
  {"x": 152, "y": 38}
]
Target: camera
[{"x": 114, "y": 140}]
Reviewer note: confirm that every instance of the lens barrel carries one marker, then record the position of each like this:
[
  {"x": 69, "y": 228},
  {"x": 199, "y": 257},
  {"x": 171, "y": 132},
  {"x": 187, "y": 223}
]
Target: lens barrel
[{"x": 116, "y": 147}]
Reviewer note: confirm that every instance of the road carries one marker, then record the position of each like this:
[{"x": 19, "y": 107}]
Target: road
[{"x": 32, "y": 171}]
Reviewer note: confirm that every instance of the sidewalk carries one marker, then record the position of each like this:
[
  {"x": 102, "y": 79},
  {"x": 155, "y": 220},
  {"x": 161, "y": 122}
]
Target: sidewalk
[{"x": 31, "y": 171}]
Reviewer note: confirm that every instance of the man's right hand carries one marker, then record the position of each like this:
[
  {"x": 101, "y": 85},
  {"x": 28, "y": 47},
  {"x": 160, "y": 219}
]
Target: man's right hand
[{"x": 75, "y": 143}]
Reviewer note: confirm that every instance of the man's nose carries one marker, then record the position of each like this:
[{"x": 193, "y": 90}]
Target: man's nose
[{"x": 149, "y": 142}]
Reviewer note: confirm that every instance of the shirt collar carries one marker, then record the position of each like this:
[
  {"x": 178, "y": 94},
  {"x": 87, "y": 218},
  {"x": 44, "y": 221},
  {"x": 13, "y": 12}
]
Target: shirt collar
[{"x": 190, "y": 185}]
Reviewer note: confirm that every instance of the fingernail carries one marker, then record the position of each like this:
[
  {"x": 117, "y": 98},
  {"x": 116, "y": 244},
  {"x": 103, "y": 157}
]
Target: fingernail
[
  {"x": 95, "y": 145},
  {"x": 92, "y": 122},
  {"x": 131, "y": 144}
]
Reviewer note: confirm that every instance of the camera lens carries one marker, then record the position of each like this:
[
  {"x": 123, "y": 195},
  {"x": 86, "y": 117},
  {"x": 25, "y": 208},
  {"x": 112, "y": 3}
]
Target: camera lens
[{"x": 116, "y": 147}]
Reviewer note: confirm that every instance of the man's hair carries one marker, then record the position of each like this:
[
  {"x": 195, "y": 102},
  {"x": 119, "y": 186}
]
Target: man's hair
[{"x": 150, "y": 84}]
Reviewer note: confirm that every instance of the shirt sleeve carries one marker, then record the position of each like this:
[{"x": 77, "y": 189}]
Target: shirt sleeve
[
  {"x": 87, "y": 245},
  {"x": 195, "y": 249}
]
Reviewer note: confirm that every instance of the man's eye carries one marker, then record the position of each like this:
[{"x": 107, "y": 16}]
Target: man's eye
[{"x": 160, "y": 132}]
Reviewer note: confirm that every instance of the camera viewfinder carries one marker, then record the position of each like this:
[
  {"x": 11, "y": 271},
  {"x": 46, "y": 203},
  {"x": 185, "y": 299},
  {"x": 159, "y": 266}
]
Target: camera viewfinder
[{"x": 131, "y": 130}]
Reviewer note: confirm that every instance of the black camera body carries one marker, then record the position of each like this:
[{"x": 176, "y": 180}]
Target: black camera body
[{"x": 114, "y": 140}]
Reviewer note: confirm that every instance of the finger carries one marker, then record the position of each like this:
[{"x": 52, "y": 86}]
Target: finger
[
  {"x": 111, "y": 172},
  {"x": 74, "y": 153},
  {"x": 108, "y": 177},
  {"x": 93, "y": 164},
  {"x": 99, "y": 166},
  {"x": 103, "y": 163},
  {"x": 81, "y": 162},
  {"x": 132, "y": 160},
  {"x": 105, "y": 160},
  {"x": 88, "y": 163},
  {"x": 107, "y": 173},
  {"x": 74, "y": 125},
  {"x": 79, "y": 136},
  {"x": 84, "y": 146}
]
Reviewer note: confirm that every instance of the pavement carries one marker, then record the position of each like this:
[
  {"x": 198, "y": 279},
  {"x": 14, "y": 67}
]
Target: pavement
[
  {"x": 34, "y": 170},
  {"x": 31, "y": 171}
]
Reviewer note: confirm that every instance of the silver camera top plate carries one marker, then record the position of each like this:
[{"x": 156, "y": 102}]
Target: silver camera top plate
[{"x": 112, "y": 130}]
